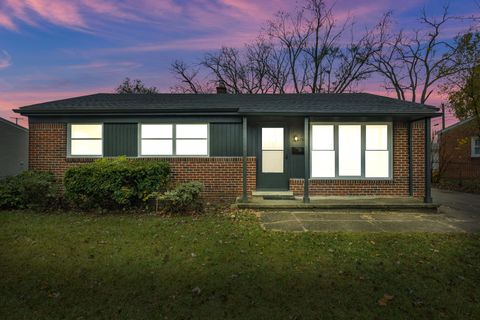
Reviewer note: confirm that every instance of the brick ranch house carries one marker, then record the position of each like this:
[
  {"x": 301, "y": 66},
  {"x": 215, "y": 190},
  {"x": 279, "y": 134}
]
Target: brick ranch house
[
  {"x": 352, "y": 144},
  {"x": 459, "y": 152}
]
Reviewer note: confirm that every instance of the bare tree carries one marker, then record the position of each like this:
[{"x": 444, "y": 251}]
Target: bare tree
[
  {"x": 414, "y": 65},
  {"x": 188, "y": 78},
  {"x": 309, "y": 50},
  {"x": 134, "y": 86},
  {"x": 292, "y": 32},
  {"x": 321, "y": 49},
  {"x": 278, "y": 69},
  {"x": 318, "y": 58}
]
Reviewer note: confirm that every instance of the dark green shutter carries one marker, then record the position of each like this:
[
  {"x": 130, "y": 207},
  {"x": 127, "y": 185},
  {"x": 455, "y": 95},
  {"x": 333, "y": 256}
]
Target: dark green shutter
[
  {"x": 120, "y": 139},
  {"x": 225, "y": 139}
]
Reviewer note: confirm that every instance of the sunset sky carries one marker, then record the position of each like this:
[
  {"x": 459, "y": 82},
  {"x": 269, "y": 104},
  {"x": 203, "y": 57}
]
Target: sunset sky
[{"x": 53, "y": 49}]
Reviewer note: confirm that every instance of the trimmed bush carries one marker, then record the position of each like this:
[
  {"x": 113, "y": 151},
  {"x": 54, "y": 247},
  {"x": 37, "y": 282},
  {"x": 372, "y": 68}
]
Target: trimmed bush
[
  {"x": 115, "y": 183},
  {"x": 184, "y": 198},
  {"x": 29, "y": 189}
]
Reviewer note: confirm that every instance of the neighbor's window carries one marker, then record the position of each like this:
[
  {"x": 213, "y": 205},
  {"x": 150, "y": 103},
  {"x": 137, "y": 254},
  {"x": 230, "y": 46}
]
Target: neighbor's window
[
  {"x": 174, "y": 139},
  {"x": 351, "y": 151},
  {"x": 86, "y": 140},
  {"x": 475, "y": 147}
]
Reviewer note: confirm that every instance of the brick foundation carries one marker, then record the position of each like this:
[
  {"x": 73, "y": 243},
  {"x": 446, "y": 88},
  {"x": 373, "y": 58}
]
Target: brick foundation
[
  {"x": 221, "y": 176},
  {"x": 398, "y": 186}
]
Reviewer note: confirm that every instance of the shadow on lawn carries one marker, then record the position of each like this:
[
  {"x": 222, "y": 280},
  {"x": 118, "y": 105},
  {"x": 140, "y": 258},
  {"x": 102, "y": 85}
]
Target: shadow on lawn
[{"x": 239, "y": 287}]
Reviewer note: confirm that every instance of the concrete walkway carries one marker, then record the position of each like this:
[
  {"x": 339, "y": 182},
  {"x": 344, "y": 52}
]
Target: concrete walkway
[
  {"x": 460, "y": 212},
  {"x": 464, "y": 208}
]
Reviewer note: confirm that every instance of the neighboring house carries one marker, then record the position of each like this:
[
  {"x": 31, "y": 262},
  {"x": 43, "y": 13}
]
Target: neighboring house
[
  {"x": 346, "y": 144},
  {"x": 460, "y": 151},
  {"x": 435, "y": 156},
  {"x": 13, "y": 148}
]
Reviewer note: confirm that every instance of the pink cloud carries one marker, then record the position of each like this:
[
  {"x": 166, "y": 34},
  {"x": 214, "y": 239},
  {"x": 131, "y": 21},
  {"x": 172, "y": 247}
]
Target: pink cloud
[
  {"x": 82, "y": 14},
  {"x": 212, "y": 42},
  {"x": 6, "y": 22},
  {"x": 95, "y": 65},
  {"x": 5, "y": 59}
]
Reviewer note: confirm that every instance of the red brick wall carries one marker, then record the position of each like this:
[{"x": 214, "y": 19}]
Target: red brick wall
[
  {"x": 222, "y": 176},
  {"x": 398, "y": 186},
  {"x": 456, "y": 161}
]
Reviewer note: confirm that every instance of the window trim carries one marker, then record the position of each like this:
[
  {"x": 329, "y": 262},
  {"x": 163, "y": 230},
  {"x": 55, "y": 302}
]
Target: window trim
[
  {"x": 69, "y": 140},
  {"x": 174, "y": 140},
  {"x": 473, "y": 154},
  {"x": 362, "y": 148},
  {"x": 312, "y": 150},
  {"x": 140, "y": 139}
]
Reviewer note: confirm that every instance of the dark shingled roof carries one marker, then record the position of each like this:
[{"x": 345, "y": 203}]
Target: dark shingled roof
[{"x": 311, "y": 104}]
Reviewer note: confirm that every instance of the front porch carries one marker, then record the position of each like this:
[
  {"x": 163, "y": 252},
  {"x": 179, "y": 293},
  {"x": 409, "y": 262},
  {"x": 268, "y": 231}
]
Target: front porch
[
  {"x": 338, "y": 158},
  {"x": 286, "y": 200}
]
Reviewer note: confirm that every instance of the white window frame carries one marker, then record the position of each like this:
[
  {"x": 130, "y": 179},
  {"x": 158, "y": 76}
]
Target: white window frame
[
  {"x": 473, "y": 153},
  {"x": 332, "y": 149},
  {"x": 140, "y": 140},
  {"x": 69, "y": 141},
  {"x": 363, "y": 149},
  {"x": 174, "y": 140}
]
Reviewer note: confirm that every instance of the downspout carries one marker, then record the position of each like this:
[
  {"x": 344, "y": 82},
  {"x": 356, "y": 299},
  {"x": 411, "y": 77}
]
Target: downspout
[
  {"x": 244, "y": 160},
  {"x": 428, "y": 163},
  {"x": 410, "y": 158},
  {"x": 306, "y": 197}
]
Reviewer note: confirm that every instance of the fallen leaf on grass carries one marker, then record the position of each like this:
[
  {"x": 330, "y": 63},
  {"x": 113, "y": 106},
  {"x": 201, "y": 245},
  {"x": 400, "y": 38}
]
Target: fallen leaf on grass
[
  {"x": 196, "y": 291},
  {"x": 385, "y": 299}
]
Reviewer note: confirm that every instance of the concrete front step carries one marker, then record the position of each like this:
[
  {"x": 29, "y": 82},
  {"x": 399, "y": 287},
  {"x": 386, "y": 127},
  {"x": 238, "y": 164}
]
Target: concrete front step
[
  {"x": 298, "y": 204},
  {"x": 271, "y": 193}
]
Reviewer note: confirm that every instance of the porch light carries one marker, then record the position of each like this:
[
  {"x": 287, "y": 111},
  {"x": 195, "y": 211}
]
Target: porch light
[{"x": 296, "y": 138}]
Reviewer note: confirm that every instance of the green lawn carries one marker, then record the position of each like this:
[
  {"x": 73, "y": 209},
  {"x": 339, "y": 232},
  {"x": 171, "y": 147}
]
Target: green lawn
[{"x": 79, "y": 266}]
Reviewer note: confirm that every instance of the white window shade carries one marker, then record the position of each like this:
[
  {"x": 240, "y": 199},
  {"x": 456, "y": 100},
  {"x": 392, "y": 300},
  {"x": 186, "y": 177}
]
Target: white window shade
[
  {"x": 174, "y": 139},
  {"x": 272, "y": 150},
  {"x": 86, "y": 131},
  {"x": 323, "y": 164},
  {"x": 376, "y": 137},
  {"x": 86, "y": 147},
  {"x": 349, "y": 150},
  {"x": 196, "y": 147},
  {"x": 156, "y": 139},
  {"x": 272, "y": 161},
  {"x": 323, "y": 151},
  {"x": 322, "y": 137},
  {"x": 86, "y": 140},
  {"x": 155, "y": 147},
  {"x": 272, "y": 138},
  {"x": 192, "y": 131},
  {"x": 159, "y": 131},
  {"x": 376, "y": 164}
]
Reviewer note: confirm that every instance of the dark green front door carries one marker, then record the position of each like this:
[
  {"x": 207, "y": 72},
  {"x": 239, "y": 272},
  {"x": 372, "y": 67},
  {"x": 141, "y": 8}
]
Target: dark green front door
[{"x": 272, "y": 158}]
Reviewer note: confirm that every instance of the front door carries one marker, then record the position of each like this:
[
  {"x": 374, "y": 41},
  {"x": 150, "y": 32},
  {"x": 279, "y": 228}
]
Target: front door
[{"x": 271, "y": 173}]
